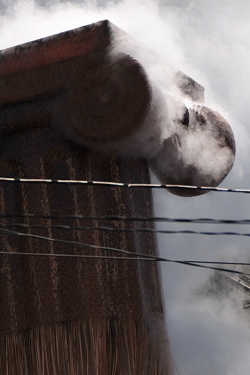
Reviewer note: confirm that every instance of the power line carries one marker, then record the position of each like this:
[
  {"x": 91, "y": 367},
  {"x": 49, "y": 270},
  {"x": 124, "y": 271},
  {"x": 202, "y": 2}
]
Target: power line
[
  {"x": 111, "y": 229},
  {"x": 131, "y": 218},
  {"x": 135, "y": 256},
  {"x": 121, "y": 184},
  {"x": 175, "y": 365},
  {"x": 74, "y": 243}
]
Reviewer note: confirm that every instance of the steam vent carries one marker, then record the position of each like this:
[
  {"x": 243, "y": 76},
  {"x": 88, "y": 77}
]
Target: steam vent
[{"x": 80, "y": 106}]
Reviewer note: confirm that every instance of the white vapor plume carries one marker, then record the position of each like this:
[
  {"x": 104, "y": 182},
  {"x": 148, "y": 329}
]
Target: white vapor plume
[
  {"x": 185, "y": 143},
  {"x": 209, "y": 41}
]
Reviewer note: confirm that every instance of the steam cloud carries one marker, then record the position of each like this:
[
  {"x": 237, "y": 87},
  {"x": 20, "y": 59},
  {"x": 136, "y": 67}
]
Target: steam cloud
[
  {"x": 185, "y": 142},
  {"x": 210, "y": 42}
]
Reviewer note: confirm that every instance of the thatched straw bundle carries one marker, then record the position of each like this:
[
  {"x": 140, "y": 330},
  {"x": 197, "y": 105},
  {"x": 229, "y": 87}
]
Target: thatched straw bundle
[{"x": 96, "y": 347}]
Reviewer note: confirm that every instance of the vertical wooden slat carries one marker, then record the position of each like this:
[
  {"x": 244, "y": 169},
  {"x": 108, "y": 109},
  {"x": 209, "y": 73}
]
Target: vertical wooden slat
[{"x": 83, "y": 299}]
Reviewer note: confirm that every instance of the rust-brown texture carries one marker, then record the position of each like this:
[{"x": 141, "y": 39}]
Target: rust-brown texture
[{"x": 64, "y": 316}]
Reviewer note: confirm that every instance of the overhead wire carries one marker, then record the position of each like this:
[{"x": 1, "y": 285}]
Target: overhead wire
[
  {"x": 175, "y": 365},
  {"x": 131, "y": 218},
  {"x": 123, "y": 185},
  {"x": 135, "y": 256},
  {"x": 115, "y": 229}
]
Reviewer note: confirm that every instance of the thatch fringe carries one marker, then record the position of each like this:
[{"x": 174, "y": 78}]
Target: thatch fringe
[{"x": 95, "y": 347}]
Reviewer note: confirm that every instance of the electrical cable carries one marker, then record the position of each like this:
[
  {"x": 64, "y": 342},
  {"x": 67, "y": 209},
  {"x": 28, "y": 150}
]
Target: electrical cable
[
  {"x": 135, "y": 256},
  {"x": 120, "y": 184},
  {"x": 132, "y": 218},
  {"x": 175, "y": 365},
  {"x": 111, "y": 229}
]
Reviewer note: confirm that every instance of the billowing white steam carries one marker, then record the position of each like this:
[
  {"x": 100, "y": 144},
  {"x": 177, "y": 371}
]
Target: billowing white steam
[
  {"x": 201, "y": 151},
  {"x": 186, "y": 143}
]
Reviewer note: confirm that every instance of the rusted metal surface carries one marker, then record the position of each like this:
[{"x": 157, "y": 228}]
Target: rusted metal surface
[
  {"x": 70, "y": 74},
  {"x": 56, "y": 48},
  {"x": 99, "y": 97},
  {"x": 62, "y": 316}
]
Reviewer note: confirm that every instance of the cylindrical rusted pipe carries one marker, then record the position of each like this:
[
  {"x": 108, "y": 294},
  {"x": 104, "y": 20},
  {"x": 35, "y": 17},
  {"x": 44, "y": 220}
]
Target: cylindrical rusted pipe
[{"x": 101, "y": 98}]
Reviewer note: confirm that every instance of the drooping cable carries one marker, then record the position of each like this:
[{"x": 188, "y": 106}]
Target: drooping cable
[
  {"x": 121, "y": 184},
  {"x": 112, "y": 229},
  {"x": 134, "y": 256},
  {"x": 175, "y": 366},
  {"x": 131, "y": 218}
]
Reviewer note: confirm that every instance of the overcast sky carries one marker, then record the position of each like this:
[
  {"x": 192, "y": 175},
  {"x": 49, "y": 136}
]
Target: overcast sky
[{"x": 208, "y": 40}]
